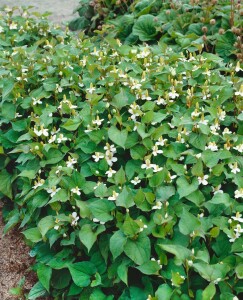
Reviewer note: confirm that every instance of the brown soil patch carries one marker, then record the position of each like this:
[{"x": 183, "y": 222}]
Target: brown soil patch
[{"x": 15, "y": 263}]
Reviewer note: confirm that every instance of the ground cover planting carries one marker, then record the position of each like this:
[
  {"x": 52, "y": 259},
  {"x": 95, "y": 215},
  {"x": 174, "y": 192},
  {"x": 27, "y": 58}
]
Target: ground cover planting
[{"x": 122, "y": 164}]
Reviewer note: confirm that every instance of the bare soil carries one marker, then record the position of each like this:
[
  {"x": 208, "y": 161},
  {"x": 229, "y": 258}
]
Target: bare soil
[{"x": 15, "y": 263}]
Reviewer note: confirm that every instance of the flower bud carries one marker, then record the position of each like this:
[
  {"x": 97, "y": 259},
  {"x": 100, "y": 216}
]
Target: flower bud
[
  {"x": 212, "y": 21},
  {"x": 221, "y": 31},
  {"x": 204, "y": 29}
]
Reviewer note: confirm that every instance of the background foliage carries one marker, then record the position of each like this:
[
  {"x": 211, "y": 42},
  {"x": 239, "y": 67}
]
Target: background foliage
[
  {"x": 183, "y": 24},
  {"x": 122, "y": 164}
]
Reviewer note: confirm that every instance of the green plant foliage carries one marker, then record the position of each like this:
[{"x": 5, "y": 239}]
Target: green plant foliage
[
  {"x": 212, "y": 26},
  {"x": 122, "y": 165}
]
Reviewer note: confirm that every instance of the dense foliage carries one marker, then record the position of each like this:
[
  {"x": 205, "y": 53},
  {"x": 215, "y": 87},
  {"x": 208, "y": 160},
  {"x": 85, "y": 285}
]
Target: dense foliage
[
  {"x": 188, "y": 24},
  {"x": 122, "y": 165}
]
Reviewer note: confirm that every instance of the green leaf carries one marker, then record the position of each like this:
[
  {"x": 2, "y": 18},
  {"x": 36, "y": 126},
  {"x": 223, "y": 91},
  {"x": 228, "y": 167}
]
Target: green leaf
[
  {"x": 15, "y": 219},
  {"x": 130, "y": 227},
  {"x": 209, "y": 292},
  {"x": 138, "y": 250},
  {"x": 37, "y": 291},
  {"x": 185, "y": 188},
  {"x": 117, "y": 136},
  {"x": 164, "y": 292},
  {"x": 120, "y": 177},
  {"x": 44, "y": 275},
  {"x": 45, "y": 224},
  {"x": 33, "y": 234},
  {"x": 211, "y": 272},
  {"x": 8, "y": 86},
  {"x": 163, "y": 193},
  {"x": 177, "y": 280},
  {"x": 221, "y": 198},
  {"x": 211, "y": 158},
  {"x": 101, "y": 209},
  {"x": 145, "y": 28},
  {"x": 82, "y": 272},
  {"x": 188, "y": 222},
  {"x": 224, "y": 44},
  {"x": 72, "y": 124},
  {"x": 117, "y": 243},
  {"x": 125, "y": 198},
  {"x": 28, "y": 173},
  {"x": 179, "y": 251},
  {"x": 239, "y": 271},
  {"x": 87, "y": 236},
  {"x": 8, "y": 110},
  {"x": 149, "y": 268},
  {"x": 6, "y": 184},
  {"x": 122, "y": 99}
]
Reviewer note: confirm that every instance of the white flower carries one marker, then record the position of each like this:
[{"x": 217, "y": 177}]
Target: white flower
[
  {"x": 144, "y": 53},
  {"x": 76, "y": 190},
  {"x": 195, "y": 113},
  {"x": 217, "y": 280},
  {"x": 52, "y": 139},
  {"x": 114, "y": 196},
  {"x": 147, "y": 164},
  {"x": 74, "y": 218},
  {"x": 234, "y": 168},
  {"x": 235, "y": 298},
  {"x": 221, "y": 115},
  {"x": 238, "y": 217},
  {"x": 227, "y": 131},
  {"x": 156, "y": 150},
  {"x": 13, "y": 26},
  {"x": 214, "y": 128},
  {"x": 203, "y": 180},
  {"x": 98, "y": 221},
  {"x": 146, "y": 96},
  {"x": 42, "y": 131},
  {"x": 56, "y": 227},
  {"x": 97, "y": 121},
  {"x": 173, "y": 94},
  {"x": 157, "y": 168},
  {"x": 53, "y": 190},
  {"x": 135, "y": 85},
  {"x": 203, "y": 121},
  {"x": 110, "y": 159},
  {"x": 61, "y": 138},
  {"x": 133, "y": 111},
  {"x": 17, "y": 115},
  {"x": 239, "y": 148},
  {"x": 238, "y": 229},
  {"x": 91, "y": 89},
  {"x": 217, "y": 190},
  {"x": 158, "y": 205},
  {"x": 110, "y": 172},
  {"x": 240, "y": 92},
  {"x": 135, "y": 181},
  {"x": 71, "y": 161},
  {"x": 212, "y": 146},
  {"x": 160, "y": 101},
  {"x": 38, "y": 183},
  {"x": 110, "y": 148},
  {"x": 239, "y": 193},
  {"x": 59, "y": 169},
  {"x": 238, "y": 69},
  {"x": 234, "y": 237},
  {"x": 161, "y": 141},
  {"x": 97, "y": 156},
  {"x": 36, "y": 101}
]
